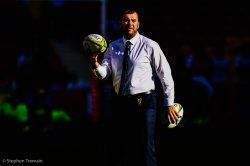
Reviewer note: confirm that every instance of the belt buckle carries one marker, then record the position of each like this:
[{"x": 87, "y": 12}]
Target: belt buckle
[{"x": 129, "y": 96}]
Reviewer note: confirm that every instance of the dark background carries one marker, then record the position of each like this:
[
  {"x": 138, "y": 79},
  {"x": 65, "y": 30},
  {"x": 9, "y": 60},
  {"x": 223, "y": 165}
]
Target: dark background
[{"x": 215, "y": 128}]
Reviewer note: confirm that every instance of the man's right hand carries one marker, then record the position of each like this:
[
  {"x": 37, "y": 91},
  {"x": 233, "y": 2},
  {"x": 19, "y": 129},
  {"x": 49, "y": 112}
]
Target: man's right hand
[{"x": 94, "y": 60}]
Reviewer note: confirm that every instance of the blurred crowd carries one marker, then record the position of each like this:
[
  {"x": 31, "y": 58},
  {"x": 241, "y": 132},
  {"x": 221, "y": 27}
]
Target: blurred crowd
[{"x": 212, "y": 81}]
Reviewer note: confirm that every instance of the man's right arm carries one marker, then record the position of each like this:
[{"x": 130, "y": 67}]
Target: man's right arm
[{"x": 102, "y": 71}]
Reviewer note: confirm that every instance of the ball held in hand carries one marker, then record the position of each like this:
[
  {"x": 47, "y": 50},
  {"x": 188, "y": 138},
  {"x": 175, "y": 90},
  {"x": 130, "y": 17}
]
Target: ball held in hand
[
  {"x": 94, "y": 43},
  {"x": 179, "y": 109}
]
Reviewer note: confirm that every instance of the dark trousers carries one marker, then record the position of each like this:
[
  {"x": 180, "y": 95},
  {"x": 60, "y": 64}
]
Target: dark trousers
[{"x": 132, "y": 131}]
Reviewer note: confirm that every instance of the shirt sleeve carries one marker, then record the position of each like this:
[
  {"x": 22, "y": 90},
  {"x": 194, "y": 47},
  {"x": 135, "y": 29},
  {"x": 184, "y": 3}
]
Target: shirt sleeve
[{"x": 163, "y": 71}]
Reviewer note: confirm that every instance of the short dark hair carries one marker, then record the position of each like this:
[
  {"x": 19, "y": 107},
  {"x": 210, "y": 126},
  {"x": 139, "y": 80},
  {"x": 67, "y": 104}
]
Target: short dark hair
[{"x": 129, "y": 11}]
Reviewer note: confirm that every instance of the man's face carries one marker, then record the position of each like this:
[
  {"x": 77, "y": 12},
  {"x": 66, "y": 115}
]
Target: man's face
[{"x": 130, "y": 25}]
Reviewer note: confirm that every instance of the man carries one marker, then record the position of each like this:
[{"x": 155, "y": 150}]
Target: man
[{"x": 134, "y": 116}]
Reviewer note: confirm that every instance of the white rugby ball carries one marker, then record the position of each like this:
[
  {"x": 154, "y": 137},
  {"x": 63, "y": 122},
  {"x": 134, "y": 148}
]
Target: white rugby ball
[{"x": 180, "y": 110}]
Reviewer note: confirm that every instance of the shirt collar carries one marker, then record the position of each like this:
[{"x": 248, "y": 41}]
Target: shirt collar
[{"x": 133, "y": 40}]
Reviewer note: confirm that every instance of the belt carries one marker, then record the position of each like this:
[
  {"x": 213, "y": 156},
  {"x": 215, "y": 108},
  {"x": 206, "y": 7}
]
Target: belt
[{"x": 140, "y": 94}]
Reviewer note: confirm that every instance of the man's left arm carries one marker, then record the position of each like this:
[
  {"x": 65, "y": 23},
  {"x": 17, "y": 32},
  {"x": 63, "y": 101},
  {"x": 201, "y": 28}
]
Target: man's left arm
[{"x": 163, "y": 71}]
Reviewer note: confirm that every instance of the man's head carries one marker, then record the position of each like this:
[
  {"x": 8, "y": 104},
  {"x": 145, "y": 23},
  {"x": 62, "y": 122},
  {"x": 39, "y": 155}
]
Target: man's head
[{"x": 129, "y": 23}]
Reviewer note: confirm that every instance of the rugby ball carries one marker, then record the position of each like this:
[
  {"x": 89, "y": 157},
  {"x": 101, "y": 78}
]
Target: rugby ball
[
  {"x": 94, "y": 43},
  {"x": 180, "y": 110}
]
